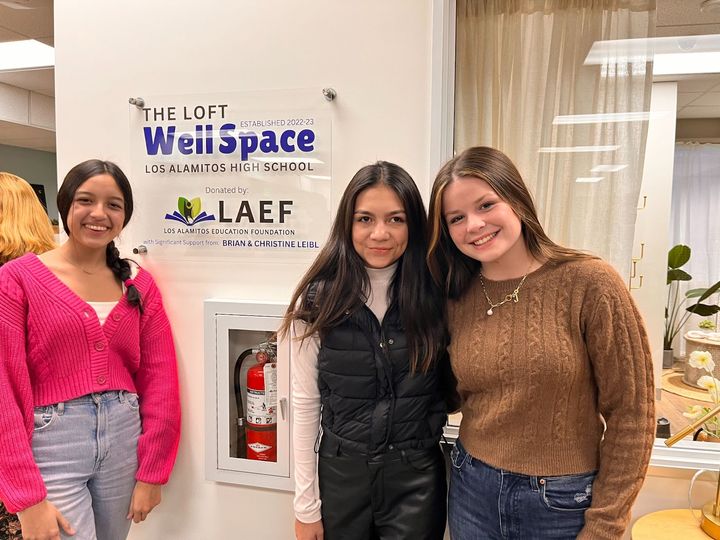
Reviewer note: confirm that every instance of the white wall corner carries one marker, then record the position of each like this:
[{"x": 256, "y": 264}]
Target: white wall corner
[{"x": 442, "y": 97}]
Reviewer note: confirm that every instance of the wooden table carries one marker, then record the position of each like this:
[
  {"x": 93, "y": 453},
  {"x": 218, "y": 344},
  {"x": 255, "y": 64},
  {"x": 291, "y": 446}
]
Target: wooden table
[{"x": 670, "y": 525}]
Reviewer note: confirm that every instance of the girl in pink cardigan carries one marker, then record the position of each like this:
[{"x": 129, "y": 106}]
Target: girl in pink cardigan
[{"x": 89, "y": 407}]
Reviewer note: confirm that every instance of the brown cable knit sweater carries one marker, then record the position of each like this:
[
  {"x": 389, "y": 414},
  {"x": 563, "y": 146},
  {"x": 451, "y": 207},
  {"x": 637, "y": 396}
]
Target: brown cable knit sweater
[{"x": 536, "y": 375}]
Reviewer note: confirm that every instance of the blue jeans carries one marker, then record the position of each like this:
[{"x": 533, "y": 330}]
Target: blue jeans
[
  {"x": 86, "y": 450},
  {"x": 489, "y": 503}
]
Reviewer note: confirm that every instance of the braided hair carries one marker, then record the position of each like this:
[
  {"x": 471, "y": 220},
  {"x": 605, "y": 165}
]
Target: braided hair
[
  {"x": 121, "y": 268},
  {"x": 76, "y": 177}
]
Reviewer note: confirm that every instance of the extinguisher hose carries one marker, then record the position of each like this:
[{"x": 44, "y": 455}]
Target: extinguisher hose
[{"x": 237, "y": 380}]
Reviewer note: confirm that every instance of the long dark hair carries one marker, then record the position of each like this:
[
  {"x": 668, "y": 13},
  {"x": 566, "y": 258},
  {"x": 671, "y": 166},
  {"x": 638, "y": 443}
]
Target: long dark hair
[
  {"x": 454, "y": 270},
  {"x": 338, "y": 273},
  {"x": 76, "y": 177}
]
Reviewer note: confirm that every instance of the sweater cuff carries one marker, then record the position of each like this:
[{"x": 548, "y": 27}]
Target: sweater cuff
[
  {"x": 25, "y": 500},
  {"x": 309, "y": 517}
]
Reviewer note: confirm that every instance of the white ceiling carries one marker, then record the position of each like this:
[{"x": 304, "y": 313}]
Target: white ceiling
[
  {"x": 33, "y": 19},
  {"x": 699, "y": 97},
  {"x": 28, "y": 19}
]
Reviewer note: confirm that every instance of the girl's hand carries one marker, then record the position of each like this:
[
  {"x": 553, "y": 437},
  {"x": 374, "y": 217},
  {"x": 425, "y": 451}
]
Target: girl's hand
[
  {"x": 43, "y": 521},
  {"x": 145, "y": 497},
  {"x": 308, "y": 531}
]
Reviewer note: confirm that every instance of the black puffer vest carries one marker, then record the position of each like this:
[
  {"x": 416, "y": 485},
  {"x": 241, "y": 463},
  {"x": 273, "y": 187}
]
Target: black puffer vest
[{"x": 371, "y": 403}]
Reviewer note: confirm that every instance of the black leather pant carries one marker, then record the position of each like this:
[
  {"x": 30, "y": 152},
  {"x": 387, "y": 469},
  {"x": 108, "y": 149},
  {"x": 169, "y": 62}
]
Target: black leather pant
[{"x": 400, "y": 495}]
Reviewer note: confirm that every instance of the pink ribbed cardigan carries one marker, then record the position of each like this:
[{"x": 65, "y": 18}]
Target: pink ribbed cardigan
[{"x": 53, "y": 349}]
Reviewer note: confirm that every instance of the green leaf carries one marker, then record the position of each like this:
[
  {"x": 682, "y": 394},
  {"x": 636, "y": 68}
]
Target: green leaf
[
  {"x": 195, "y": 207},
  {"x": 703, "y": 310},
  {"x": 694, "y": 293},
  {"x": 678, "y": 256},
  {"x": 678, "y": 275},
  {"x": 182, "y": 201},
  {"x": 711, "y": 290}
]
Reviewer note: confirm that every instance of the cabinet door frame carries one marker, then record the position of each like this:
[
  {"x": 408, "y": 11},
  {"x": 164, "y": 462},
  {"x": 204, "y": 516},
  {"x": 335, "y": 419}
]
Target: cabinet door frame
[{"x": 221, "y": 318}]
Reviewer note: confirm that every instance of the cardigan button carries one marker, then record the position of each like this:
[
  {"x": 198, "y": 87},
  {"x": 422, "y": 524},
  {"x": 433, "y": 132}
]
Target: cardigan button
[
  {"x": 116, "y": 317},
  {"x": 101, "y": 379},
  {"x": 99, "y": 345},
  {"x": 391, "y": 341}
]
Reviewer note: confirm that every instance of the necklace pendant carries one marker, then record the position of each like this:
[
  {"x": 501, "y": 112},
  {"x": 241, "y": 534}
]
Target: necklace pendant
[{"x": 490, "y": 311}]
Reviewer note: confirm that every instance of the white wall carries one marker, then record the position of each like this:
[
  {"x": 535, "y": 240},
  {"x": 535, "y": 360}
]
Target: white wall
[
  {"x": 375, "y": 53},
  {"x": 652, "y": 227}
]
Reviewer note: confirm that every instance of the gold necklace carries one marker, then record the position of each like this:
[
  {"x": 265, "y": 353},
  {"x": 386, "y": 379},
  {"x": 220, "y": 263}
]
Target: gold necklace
[
  {"x": 88, "y": 272},
  {"x": 514, "y": 296}
]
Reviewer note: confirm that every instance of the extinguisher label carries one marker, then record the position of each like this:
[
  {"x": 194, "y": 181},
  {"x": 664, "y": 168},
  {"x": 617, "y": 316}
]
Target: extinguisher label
[
  {"x": 270, "y": 371},
  {"x": 262, "y": 405},
  {"x": 259, "y": 447}
]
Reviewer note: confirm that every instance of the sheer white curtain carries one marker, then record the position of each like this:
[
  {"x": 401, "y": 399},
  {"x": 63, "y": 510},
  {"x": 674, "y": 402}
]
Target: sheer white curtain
[
  {"x": 519, "y": 65},
  {"x": 694, "y": 219}
]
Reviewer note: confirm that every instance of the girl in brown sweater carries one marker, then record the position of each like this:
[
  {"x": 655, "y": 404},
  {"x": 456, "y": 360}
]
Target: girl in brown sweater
[{"x": 552, "y": 362}]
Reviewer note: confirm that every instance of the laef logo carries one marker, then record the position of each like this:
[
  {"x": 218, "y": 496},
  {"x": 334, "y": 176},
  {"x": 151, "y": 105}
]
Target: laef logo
[{"x": 189, "y": 213}]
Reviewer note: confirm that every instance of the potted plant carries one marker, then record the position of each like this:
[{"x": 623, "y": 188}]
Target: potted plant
[{"x": 675, "y": 318}]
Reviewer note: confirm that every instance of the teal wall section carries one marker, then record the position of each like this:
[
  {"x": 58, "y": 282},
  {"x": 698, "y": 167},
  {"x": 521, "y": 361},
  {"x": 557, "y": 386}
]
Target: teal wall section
[{"x": 36, "y": 167}]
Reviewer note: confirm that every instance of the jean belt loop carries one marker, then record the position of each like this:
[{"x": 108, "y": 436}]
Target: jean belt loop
[
  {"x": 534, "y": 485},
  {"x": 404, "y": 457},
  {"x": 61, "y": 408},
  {"x": 122, "y": 396}
]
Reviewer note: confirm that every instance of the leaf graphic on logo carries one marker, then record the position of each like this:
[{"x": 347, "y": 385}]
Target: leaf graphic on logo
[
  {"x": 194, "y": 207},
  {"x": 184, "y": 207}
]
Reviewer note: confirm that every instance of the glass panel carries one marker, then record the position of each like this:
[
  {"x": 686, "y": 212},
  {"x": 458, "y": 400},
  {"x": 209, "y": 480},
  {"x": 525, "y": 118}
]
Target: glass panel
[
  {"x": 566, "y": 94},
  {"x": 253, "y": 411},
  {"x": 533, "y": 80},
  {"x": 232, "y": 174}
]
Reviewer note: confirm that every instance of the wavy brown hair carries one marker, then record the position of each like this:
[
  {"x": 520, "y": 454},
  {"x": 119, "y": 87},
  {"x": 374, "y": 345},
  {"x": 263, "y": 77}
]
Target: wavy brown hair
[
  {"x": 451, "y": 269},
  {"x": 24, "y": 224},
  {"x": 334, "y": 285}
]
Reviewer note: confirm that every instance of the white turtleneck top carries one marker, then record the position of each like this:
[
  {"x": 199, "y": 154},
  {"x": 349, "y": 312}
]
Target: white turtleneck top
[{"x": 306, "y": 399}]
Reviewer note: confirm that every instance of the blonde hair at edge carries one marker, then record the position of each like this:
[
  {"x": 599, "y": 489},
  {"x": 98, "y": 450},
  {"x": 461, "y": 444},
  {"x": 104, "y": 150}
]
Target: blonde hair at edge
[{"x": 24, "y": 224}]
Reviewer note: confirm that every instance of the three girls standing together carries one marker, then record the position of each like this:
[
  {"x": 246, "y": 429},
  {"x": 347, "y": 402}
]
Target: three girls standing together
[{"x": 552, "y": 363}]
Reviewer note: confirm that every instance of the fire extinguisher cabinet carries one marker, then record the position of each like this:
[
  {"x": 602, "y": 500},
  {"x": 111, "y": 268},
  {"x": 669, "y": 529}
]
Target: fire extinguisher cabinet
[{"x": 247, "y": 395}]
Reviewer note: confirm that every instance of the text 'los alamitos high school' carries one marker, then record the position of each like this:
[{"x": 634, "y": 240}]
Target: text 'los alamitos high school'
[{"x": 166, "y": 139}]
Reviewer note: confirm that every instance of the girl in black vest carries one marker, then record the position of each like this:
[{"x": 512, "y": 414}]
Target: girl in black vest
[{"x": 367, "y": 330}]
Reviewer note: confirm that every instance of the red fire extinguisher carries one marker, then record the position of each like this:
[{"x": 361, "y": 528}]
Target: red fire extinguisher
[{"x": 261, "y": 425}]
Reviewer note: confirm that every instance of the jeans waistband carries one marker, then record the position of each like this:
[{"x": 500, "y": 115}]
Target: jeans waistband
[
  {"x": 333, "y": 446},
  {"x": 97, "y": 397},
  {"x": 533, "y": 479}
]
